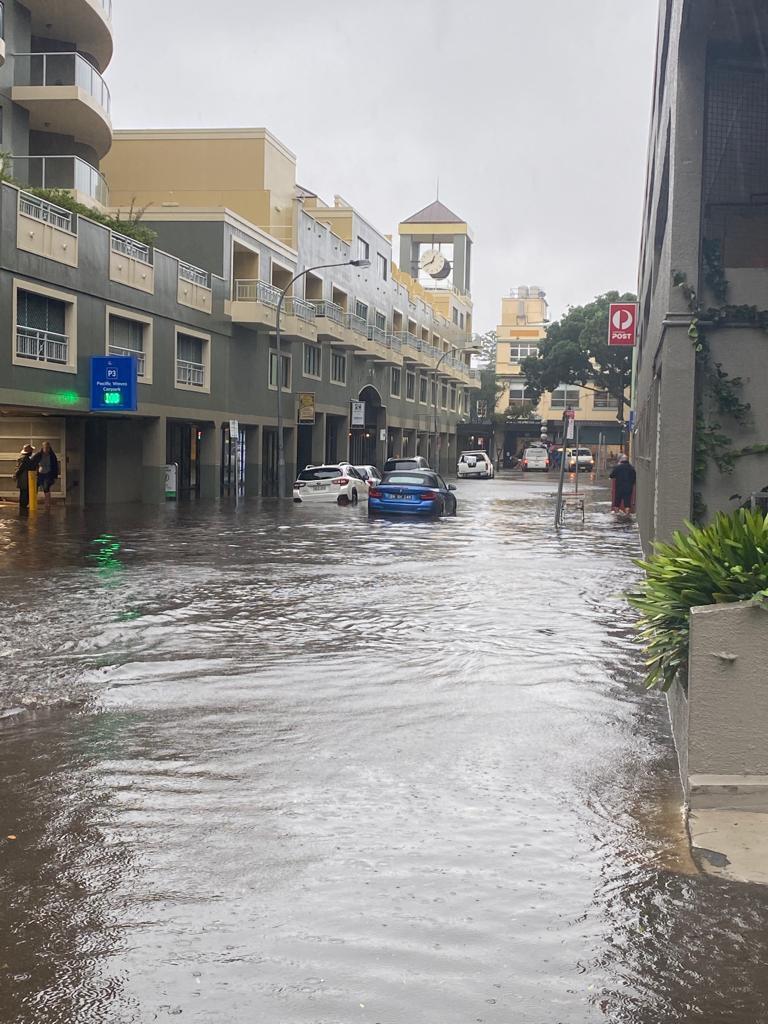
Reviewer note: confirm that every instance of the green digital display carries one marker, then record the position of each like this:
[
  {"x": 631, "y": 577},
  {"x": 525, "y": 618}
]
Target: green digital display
[{"x": 113, "y": 398}]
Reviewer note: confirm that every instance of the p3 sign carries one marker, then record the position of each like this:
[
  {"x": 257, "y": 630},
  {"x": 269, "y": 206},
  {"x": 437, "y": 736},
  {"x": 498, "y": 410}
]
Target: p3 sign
[{"x": 622, "y": 323}]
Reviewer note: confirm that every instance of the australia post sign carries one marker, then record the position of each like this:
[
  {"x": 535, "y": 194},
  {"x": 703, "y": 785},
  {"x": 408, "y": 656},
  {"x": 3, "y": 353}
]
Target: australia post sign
[{"x": 622, "y": 323}]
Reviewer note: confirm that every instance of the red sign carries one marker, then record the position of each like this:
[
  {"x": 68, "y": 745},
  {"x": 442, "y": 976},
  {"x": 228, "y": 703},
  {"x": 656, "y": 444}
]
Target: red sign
[{"x": 622, "y": 323}]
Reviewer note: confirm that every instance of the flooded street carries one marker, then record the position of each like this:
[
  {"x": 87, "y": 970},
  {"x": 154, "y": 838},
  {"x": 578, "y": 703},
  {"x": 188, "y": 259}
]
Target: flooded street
[{"x": 334, "y": 771}]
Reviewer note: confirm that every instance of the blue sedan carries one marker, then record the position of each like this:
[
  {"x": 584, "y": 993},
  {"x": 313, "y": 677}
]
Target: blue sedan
[{"x": 420, "y": 492}]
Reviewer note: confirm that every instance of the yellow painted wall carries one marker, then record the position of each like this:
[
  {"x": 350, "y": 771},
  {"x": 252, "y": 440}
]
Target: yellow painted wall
[{"x": 248, "y": 172}]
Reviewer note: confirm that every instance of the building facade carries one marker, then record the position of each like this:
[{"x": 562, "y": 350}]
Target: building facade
[
  {"x": 523, "y": 327},
  {"x": 703, "y": 277},
  {"x": 197, "y": 309}
]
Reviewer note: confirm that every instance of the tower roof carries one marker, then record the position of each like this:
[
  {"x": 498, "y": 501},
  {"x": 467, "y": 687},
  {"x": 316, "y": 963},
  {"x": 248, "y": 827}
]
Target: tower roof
[{"x": 435, "y": 213}]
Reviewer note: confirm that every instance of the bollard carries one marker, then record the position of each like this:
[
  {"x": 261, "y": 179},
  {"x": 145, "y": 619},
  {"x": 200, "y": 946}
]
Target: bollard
[{"x": 33, "y": 490}]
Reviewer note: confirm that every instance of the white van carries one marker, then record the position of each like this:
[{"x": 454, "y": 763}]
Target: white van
[
  {"x": 536, "y": 458},
  {"x": 476, "y": 464}
]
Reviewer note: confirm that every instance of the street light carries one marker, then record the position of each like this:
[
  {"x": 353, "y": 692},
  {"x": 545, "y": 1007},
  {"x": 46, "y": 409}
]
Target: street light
[
  {"x": 436, "y": 447},
  {"x": 281, "y": 488}
]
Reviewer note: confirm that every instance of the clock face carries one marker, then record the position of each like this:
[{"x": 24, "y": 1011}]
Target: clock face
[{"x": 432, "y": 262}]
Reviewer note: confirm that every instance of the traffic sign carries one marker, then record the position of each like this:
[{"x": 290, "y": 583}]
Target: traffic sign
[
  {"x": 113, "y": 383},
  {"x": 622, "y": 323}
]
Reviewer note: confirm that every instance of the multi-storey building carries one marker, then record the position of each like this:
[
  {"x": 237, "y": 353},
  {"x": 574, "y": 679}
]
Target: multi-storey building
[
  {"x": 523, "y": 327},
  {"x": 200, "y": 322},
  {"x": 705, "y": 247}
]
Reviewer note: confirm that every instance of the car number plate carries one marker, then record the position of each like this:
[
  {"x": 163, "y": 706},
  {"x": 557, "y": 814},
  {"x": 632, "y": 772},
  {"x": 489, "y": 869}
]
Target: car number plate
[{"x": 404, "y": 497}]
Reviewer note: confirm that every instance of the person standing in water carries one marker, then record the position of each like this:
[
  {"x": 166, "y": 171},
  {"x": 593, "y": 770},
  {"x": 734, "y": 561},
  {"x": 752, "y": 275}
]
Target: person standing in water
[
  {"x": 47, "y": 470},
  {"x": 25, "y": 464},
  {"x": 624, "y": 479}
]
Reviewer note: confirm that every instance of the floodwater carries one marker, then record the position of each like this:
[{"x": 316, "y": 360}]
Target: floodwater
[{"x": 333, "y": 771}]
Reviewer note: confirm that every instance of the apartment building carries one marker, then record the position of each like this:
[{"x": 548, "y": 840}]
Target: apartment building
[
  {"x": 197, "y": 309},
  {"x": 704, "y": 257},
  {"x": 523, "y": 327}
]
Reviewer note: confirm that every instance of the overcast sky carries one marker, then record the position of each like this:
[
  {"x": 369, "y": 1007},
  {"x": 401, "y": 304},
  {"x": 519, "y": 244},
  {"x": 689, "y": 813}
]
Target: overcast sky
[{"x": 534, "y": 115}]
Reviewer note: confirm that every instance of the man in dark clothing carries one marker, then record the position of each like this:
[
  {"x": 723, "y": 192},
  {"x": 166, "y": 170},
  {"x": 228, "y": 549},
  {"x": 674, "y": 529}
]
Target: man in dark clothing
[
  {"x": 47, "y": 470},
  {"x": 624, "y": 477},
  {"x": 27, "y": 463}
]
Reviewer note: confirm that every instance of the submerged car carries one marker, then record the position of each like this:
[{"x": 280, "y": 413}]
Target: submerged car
[
  {"x": 406, "y": 462},
  {"x": 339, "y": 482},
  {"x": 413, "y": 493},
  {"x": 370, "y": 474},
  {"x": 475, "y": 464}
]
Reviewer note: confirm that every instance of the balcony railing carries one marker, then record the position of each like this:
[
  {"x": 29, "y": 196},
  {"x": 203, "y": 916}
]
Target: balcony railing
[
  {"x": 48, "y": 213},
  {"x": 408, "y": 340},
  {"x": 329, "y": 310},
  {"x": 393, "y": 342},
  {"x": 132, "y": 249},
  {"x": 118, "y": 350},
  {"x": 50, "y": 69},
  {"x": 69, "y": 173},
  {"x": 356, "y": 323},
  {"x": 257, "y": 291},
  {"x": 188, "y": 272},
  {"x": 377, "y": 334},
  {"x": 301, "y": 308},
  {"x": 43, "y": 346},
  {"x": 191, "y": 373}
]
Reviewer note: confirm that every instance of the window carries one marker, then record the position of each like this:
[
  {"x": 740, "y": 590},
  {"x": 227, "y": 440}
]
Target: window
[
  {"x": 363, "y": 249},
  {"x": 286, "y": 375},
  {"x": 394, "y": 384},
  {"x": 461, "y": 321},
  {"x": 453, "y": 397},
  {"x": 192, "y": 361},
  {"x": 434, "y": 392},
  {"x": 45, "y": 324},
  {"x": 128, "y": 336},
  {"x": 313, "y": 361},
  {"x": 456, "y": 316},
  {"x": 361, "y": 310},
  {"x": 381, "y": 321},
  {"x": 410, "y": 386},
  {"x": 521, "y": 350},
  {"x": 565, "y": 398},
  {"x": 444, "y": 396},
  {"x": 517, "y": 394},
  {"x": 382, "y": 266},
  {"x": 423, "y": 390},
  {"x": 605, "y": 400},
  {"x": 338, "y": 368},
  {"x": 465, "y": 402}
]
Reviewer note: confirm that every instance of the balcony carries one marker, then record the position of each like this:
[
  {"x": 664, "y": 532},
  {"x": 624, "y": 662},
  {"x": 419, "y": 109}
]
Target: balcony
[
  {"x": 194, "y": 288},
  {"x": 69, "y": 173},
  {"x": 88, "y": 23},
  {"x": 130, "y": 263},
  {"x": 190, "y": 374},
  {"x": 42, "y": 346},
  {"x": 254, "y": 303},
  {"x": 63, "y": 92},
  {"x": 47, "y": 230}
]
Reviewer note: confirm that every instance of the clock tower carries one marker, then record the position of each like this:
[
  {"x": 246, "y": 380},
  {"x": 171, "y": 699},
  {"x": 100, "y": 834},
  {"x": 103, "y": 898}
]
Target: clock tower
[{"x": 436, "y": 248}]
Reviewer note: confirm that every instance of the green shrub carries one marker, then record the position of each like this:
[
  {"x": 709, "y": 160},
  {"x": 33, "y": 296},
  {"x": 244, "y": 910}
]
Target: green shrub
[
  {"x": 724, "y": 562},
  {"x": 129, "y": 227}
]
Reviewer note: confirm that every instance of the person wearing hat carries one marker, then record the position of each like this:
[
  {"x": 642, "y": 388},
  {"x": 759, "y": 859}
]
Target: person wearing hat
[
  {"x": 624, "y": 479},
  {"x": 26, "y": 463}
]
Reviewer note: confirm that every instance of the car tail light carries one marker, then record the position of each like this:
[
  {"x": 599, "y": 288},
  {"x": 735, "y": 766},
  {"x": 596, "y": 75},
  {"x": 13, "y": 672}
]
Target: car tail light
[
  {"x": 428, "y": 495},
  {"x": 525, "y": 462},
  {"x": 342, "y": 481},
  {"x": 299, "y": 483},
  {"x": 374, "y": 493},
  {"x": 546, "y": 462}
]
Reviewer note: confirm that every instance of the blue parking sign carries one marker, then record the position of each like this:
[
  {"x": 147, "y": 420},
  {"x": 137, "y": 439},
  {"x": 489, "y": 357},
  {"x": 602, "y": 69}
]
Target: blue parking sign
[{"x": 113, "y": 383}]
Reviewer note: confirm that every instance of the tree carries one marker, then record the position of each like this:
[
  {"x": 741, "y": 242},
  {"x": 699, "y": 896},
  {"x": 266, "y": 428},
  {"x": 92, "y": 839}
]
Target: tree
[
  {"x": 487, "y": 345},
  {"x": 576, "y": 351},
  {"x": 487, "y": 395}
]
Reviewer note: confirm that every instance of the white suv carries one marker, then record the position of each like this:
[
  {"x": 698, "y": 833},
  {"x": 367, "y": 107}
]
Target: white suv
[
  {"x": 340, "y": 483},
  {"x": 475, "y": 464}
]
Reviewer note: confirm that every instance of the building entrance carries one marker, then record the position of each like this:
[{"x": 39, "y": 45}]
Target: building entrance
[{"x": 183, "y": 448}]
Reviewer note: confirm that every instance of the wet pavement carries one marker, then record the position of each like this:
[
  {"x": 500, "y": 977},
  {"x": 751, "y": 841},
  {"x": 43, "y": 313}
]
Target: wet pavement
[{"x": 332, "y": 771}]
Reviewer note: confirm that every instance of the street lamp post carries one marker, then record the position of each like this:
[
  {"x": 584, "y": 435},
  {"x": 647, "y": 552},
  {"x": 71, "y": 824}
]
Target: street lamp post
[
  {"x": 436, "y": 447},
  {"x": 281, "y": 481}
]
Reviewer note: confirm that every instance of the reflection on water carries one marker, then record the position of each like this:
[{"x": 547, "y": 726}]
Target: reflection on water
[{"x": 333, "y": 771}]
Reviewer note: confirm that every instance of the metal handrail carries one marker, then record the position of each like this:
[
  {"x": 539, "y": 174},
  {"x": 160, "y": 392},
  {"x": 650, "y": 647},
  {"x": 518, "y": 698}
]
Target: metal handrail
[
  {"x": 257, "y": 291},
  {"x": 65, "y": 68},
  {"x": 356, "y": 323},
  {"x": 408, "y": 339},
  {"x": 393, "y": 342},
  {"x": 45, "y": 346},
  {"x": 189, "y": 272},
  {"x": 188, "y": 372},
  {"x": 299, "y": 307},
  {"x": 330, "y": 310},
  {"x": 119, "y": 350},
  {"x": 31, "y": 206},
  {"x": 377, "y": 334},
  {"x": 132, "y": 249}
]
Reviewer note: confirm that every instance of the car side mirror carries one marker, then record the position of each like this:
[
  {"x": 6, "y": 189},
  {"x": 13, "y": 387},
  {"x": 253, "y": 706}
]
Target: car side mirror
[{"x": 451, "y": 487}]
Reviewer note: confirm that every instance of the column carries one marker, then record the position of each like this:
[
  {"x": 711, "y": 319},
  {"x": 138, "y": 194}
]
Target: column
[
  {"x": 153, "y": 460},
  {"x": 210, "y": 460},
  {"x": 318, "y": 439},
  {"x": 252, "y": 461}
]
